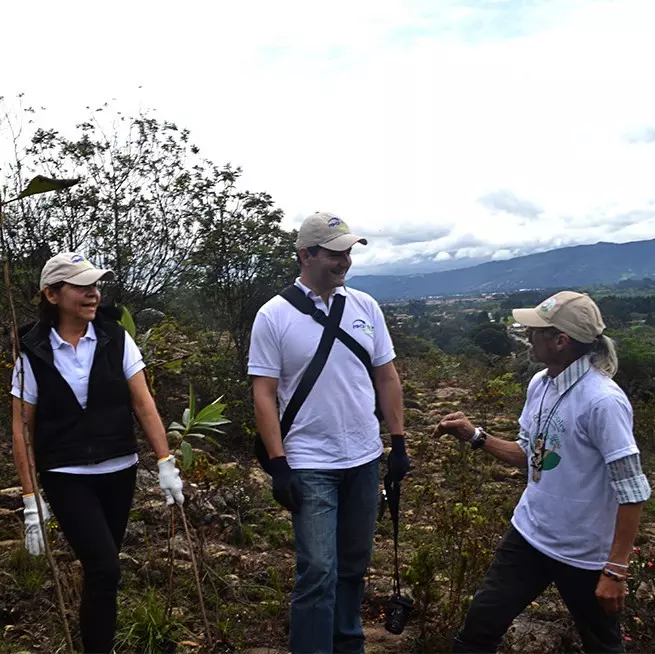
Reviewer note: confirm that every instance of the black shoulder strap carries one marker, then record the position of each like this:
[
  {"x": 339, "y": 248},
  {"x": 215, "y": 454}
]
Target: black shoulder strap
[
  {"x": 316, "y": 365},
  {"x": 300, "y": 301},
  {"x": 295, "y": 296}
]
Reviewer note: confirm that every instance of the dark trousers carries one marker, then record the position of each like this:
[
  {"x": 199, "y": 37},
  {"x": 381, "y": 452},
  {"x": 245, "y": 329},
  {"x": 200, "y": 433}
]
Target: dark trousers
[
  {"x": 518, "y": 575},
  {"x": 92, "y": 511}
]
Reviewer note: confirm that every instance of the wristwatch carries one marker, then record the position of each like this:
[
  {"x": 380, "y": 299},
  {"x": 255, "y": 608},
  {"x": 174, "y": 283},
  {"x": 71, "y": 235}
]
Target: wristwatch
[{"x": 479, "y": 438}]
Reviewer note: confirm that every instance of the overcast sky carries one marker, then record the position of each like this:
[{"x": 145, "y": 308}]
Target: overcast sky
[{"x": 440, "y": 129}]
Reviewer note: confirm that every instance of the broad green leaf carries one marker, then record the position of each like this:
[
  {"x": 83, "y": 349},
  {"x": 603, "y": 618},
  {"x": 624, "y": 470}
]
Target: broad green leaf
[
  {"x": 41, "y": 184},
  {"x": 212, "y": 413},
  {"x": 185, "y": 417},
  {"x": 205, "y": 428},
  {"x": 128, "y": 322},
  {"x": 192, "y": 402},
  {"x": 175, "y": 426},
  {"x": 145, "y": 338},
  {"x": 187, "y": 455},
  {"x": 175, "y": 365},
  {"x": 551, "y": 460},
  {"x": 211, "y": 425}
]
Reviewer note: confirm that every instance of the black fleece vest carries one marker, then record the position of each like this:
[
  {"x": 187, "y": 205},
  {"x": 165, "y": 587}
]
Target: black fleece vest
[{"x": 65, "y": 434}]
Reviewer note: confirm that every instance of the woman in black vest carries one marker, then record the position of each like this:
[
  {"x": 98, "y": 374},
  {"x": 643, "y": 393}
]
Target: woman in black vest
[{"x": 81, "y": 379}]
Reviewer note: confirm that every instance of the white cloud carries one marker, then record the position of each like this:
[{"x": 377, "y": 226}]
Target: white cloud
[{"x": 398, "y": 115}]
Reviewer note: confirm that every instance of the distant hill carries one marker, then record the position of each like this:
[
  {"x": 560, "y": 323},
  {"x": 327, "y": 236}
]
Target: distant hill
[{"x": 581, "y": 265}]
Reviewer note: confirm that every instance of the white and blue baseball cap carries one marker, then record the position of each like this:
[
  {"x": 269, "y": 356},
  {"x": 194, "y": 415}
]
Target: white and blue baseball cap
[{"x": 72, "y": 268}]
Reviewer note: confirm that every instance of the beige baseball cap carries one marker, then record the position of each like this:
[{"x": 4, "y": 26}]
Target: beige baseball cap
[
  {"x": 575, "y": 314},
  {"x": 328, "y": 231},
  {"x": 73, "y": 268}
]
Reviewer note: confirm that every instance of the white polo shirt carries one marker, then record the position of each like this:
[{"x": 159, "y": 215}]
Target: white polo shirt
[
  {"x": 570, "y": 513},
  {"x": 74, "y": 365},
  {"x": 336, "y": 427}
]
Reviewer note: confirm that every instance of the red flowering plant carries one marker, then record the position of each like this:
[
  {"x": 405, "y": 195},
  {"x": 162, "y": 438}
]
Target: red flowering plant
[{"x": 639, "y": 621}]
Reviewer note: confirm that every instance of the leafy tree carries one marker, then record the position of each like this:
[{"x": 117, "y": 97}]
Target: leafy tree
[
  {"x": 417, "y": 307},
  {"x": 636, "y": 351},
  {"x": 493, "y": 339},
  {"x": 244, "y": 256},
  {"x": 135, "y": 210}
]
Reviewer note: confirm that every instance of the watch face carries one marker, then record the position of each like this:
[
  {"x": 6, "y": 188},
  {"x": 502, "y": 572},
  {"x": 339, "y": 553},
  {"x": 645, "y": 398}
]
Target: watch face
[{"x": 479, "y": 438}]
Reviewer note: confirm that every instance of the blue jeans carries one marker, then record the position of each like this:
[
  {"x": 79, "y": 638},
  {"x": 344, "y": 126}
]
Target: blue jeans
[{"x": 334, "y": 532}]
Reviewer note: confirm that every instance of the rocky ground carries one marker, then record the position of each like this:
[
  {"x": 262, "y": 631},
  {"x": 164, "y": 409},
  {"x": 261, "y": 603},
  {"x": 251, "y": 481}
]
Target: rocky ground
[{"x": 243, "y": 545}]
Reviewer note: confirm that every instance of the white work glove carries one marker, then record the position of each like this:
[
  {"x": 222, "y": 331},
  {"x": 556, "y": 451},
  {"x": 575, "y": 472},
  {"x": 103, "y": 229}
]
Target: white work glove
[
  {"x": 33, "y": 535},
  {"x": 169, "y": 480}
]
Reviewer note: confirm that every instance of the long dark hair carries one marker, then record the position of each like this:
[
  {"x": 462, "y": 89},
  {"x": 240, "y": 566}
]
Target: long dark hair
[{"x": 48, "y": 312}]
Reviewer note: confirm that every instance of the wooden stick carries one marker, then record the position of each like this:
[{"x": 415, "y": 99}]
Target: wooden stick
[
  {"x": 197, "y": 576},
  {"x": 28, "y": 443},
  {"x": 171, "y": 562}
]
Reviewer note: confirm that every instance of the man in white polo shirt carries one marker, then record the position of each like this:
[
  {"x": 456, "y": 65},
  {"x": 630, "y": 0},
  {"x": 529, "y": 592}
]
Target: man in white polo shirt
[
  {"x": 576, "y": 521},
  {"x": 326, "y": 471}
]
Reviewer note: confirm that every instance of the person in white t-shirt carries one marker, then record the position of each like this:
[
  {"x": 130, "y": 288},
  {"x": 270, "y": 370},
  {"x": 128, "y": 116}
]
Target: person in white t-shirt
[
  {"x": 326, "y": 470},
  {"x": 576, "y": 521},
  {"x": 77, "y": 384}
]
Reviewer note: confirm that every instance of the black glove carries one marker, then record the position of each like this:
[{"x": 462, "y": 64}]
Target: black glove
[
  {"x": 398, "y": 460},
  {"x": 285, "y": 485}
]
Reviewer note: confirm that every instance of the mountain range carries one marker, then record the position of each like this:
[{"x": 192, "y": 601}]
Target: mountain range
[{"x": 574, "y": 267}]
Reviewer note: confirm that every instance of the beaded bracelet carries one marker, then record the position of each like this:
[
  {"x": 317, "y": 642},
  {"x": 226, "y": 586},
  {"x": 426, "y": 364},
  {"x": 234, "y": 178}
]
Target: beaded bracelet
[{"x": 614, "y": 576}]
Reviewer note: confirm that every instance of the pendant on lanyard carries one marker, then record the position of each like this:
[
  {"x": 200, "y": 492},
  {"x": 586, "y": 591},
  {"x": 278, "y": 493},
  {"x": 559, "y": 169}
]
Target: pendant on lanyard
[{"x": 538, "y": 457}]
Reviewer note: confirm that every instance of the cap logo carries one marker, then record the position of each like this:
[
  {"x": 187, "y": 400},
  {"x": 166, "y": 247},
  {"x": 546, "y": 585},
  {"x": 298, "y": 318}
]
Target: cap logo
[
  {"x": 77, "y": 258},
  {"x": 337, "y": 223},
  {"x": 548, "y": 305}
]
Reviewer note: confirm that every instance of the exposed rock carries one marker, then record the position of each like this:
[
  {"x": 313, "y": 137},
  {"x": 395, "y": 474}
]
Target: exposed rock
[
  {"x": 181, "y": 546},
  {"x": 218, "y": 502},
  {"x": 414, "y": 417},
  {"x": 147, "y": 481},
  {"x": 10, "y": 498},
  {"x": 531, "y": 635},
  {"x": 500, "y": 472},
  {"x": 258, "y": 476},
  {"x": 452, "y": 393},
  {"x": 14, "y": 491},
  {"x": 9, "y": 543},
  {"x": 135, "y": 532},
  {"x": 149, "y": 318},
  {"x": 503, "y": 424}
]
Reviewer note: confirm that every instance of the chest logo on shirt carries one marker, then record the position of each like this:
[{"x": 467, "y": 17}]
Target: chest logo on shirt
[
  {"x": 365, "y": 327},
  {"x": 546, "y": 444}
]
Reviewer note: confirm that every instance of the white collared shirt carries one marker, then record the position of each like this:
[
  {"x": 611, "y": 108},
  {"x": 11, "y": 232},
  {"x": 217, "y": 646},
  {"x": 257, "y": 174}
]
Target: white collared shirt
[
  {"x": 336, "y": 427},
  {"x": 74, "y": 365},
  {"x": 569, "y": 514}
]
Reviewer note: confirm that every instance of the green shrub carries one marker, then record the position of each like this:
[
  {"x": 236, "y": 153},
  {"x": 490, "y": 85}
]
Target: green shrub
[
  {"x": 29, "y": 572},
  {"x": 145, "y": 626}
]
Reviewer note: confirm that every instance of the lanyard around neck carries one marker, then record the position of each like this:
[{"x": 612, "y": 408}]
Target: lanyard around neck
[{"x": 544, "y": 432}]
